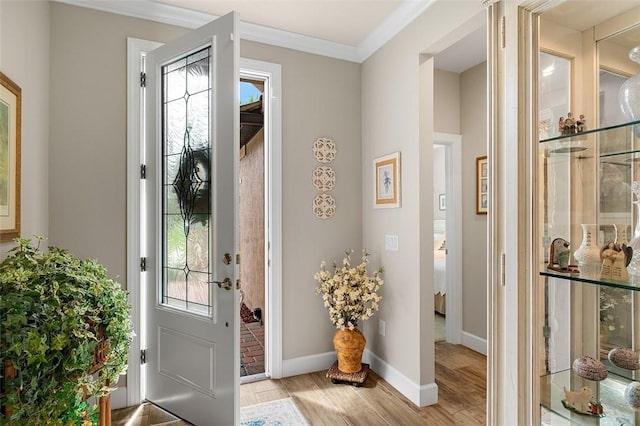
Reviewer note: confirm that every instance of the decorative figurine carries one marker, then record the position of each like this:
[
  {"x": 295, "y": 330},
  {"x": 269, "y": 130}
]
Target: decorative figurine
[
  {"x": 559, "y": 255},
  {"x": 615, "y": 260},
  {"x": 589, "y": 368},
  {"x": 632, "y": 395},
  {"x": 571, "y": 126},
  {"x": 582, "y": 402},
  {"x": 581, "y": 124},
  {"x": 624, "y": 358}
]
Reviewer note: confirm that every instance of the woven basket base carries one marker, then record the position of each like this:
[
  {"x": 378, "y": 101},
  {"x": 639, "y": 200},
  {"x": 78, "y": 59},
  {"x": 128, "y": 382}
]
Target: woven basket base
[{"x": 355, "y": 379}]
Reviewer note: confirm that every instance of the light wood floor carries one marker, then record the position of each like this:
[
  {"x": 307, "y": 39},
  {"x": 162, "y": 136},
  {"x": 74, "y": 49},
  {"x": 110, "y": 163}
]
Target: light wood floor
[{"x": 460, "y": 376}]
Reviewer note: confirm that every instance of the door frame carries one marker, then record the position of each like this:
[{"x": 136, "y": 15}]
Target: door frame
[
  {"x": 453, "y": 188},
  {"x": 271, "y": 73},
  {"x": 134, "y": 391}
]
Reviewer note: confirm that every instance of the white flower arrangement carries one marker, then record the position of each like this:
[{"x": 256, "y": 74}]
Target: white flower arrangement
[{"x": 349, "y": 292}]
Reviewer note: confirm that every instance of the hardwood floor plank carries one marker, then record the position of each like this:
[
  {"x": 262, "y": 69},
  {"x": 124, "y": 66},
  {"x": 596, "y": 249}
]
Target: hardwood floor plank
[
  {"x": 313, "y": 403},
  {"x": 344, "y": 398},
  {"x": 460, "y": 375}
]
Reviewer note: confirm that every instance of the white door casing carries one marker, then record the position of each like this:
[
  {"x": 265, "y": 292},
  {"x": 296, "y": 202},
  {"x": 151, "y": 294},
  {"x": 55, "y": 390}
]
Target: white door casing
[
  {"x": 453, "y": 189},
  {"x": 192, "y": 354}
]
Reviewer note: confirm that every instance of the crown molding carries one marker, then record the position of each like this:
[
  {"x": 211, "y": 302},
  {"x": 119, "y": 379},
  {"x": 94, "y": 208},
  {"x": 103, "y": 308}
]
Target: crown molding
[
  {"x": 404, "y": 14},
  {"x": 173, "y": 15}
]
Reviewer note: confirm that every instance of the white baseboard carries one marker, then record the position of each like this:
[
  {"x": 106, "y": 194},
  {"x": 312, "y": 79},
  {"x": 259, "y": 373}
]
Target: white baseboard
[
  {"x": 307, "y": 364},
  {"x": 474, "y": 342},
  {"x": 419, "y": 395},
  {"x": 119, "y": 398}
]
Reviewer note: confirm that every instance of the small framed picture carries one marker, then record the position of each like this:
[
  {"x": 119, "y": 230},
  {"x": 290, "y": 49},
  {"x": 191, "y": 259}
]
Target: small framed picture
[
  {"x": 482, "y": 185},
  {"x": 442, "y": 202},
  {"x": 10, "y": 132},
  {"x": 386, "y": 186}
]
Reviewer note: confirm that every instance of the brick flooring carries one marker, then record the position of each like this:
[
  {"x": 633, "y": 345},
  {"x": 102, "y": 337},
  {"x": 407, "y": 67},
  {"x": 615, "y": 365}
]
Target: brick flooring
[{"x": 251, "y": 348}]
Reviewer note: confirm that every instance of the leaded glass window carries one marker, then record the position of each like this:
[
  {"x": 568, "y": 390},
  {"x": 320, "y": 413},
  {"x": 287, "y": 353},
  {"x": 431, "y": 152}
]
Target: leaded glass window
[{"x": 186, "y": 188}]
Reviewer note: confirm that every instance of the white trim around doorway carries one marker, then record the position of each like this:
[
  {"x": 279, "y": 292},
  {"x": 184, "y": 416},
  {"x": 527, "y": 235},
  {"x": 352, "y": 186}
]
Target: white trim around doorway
[
  {"x": 453, "y": 146},
  {"x": 272, "y": 75}
]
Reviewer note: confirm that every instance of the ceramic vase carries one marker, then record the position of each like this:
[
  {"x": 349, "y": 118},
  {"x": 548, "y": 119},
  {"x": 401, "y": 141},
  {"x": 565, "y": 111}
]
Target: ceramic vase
[
  {"x": 349, "y": 346},
  {"x": 629, "y": 93},
  {"x": 634, "y": 243},
  {"x": 588, "y": 254}
]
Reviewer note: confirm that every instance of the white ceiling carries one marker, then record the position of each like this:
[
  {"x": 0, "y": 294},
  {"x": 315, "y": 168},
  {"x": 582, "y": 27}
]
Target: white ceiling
[
  {"x": 344, "y": 29},
  {"x": 342, "y": 21}
]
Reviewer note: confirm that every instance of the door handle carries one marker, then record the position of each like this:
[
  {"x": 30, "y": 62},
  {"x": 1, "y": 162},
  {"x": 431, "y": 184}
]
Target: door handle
[{"x": 225, "y": 284}]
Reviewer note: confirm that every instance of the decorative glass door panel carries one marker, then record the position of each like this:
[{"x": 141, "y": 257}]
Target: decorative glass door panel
[{"x": 186, "y": 206}]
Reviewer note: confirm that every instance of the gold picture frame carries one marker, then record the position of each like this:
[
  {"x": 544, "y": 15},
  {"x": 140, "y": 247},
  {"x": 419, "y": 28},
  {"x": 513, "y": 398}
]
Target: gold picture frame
[
  {"x": 386, "y": 186},
  {"x": 482, "y": 185},
  {"x": 10, "y": 133}
]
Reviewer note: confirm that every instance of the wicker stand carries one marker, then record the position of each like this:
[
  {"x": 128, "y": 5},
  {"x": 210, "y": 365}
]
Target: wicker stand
[{"x": 355, "y": 379}]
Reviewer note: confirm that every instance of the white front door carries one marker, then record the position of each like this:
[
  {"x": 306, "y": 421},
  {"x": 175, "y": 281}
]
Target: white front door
[{"x": 191, "y": 151}]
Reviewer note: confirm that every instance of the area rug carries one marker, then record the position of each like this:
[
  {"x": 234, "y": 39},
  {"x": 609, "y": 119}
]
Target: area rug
[{"x": 281, "y": 412}]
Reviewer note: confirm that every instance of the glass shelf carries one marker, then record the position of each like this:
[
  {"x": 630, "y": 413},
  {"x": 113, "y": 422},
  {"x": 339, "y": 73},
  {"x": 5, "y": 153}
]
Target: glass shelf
[
  {"x": 609, "y": 392},
  {"x": 581, "y": 135},
  {"x": 633, "y": 283}
]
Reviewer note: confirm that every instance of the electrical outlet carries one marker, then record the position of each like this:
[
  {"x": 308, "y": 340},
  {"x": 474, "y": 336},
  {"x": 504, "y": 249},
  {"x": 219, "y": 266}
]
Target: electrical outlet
[{"x": 382, "y": 327}]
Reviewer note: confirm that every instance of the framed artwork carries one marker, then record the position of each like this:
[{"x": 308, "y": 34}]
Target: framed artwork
[
  {"x": 386, "y": 187},
  {"x": 10, "y": 121},
  {"x": 482, "y": 185},
  {"x": 442, "y": 202}
]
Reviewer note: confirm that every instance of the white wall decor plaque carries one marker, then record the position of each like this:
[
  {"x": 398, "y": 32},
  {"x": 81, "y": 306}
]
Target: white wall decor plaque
[
  {"x": 324, "y": 178},
  {"x": 324, "y": 206},
  {"x": 324, "y": 149}
]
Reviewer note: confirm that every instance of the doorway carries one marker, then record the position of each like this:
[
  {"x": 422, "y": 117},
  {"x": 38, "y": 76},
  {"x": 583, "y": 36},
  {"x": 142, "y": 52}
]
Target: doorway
[
  {"x": 134, "y": 392},
  {"x": 447, "y": 237},
  {"x": 252, "y": 228}
]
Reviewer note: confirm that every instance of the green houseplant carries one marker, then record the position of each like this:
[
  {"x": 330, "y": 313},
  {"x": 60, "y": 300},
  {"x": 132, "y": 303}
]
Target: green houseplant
[{"x": 55, "y": 310}]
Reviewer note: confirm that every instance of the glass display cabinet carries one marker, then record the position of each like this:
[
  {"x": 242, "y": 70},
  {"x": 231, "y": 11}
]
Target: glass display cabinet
[{"x": 589, "y": 215}]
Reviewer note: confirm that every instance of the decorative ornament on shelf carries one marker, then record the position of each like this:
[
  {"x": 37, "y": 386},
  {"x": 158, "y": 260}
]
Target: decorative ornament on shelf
[
  {"x": 559, "y": 255},
  {"x": 634, "y": 266},
  {"x": 624, "y": 358},
  {"x": 589, "y": 368},
  {"x": 571, "y": 126},
  {"x": 629, "y": 93},
  {"x": 351, "y": 295},
  {"x": 632, "y": 395},
  {"x": 588, "y": 254},
  {"x": 582, "y": 402},
  {"x": 615, "y": 259}
]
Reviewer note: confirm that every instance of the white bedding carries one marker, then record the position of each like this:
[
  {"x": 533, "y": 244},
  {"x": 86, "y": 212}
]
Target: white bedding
[{"x": 439, "y": 264}]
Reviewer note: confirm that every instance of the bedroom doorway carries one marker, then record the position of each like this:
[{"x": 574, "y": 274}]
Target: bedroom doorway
[{"x": 447, "y": 237}]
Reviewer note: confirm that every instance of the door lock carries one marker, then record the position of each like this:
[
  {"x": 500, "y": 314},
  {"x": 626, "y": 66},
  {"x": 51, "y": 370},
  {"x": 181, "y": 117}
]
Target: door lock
[{"x": 225, "y": 284}]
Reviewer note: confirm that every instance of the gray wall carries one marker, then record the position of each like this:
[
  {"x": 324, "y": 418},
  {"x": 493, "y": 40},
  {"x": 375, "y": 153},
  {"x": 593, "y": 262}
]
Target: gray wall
[
  {"x": 446, "y": 94},
  {"x": 88, "y": 151},
  {"x": 24, "y": 58},
  {"x": 320, "y": 97},
  {"x": 473, "y": 127},
  {"x": 394, "y": 121}
]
